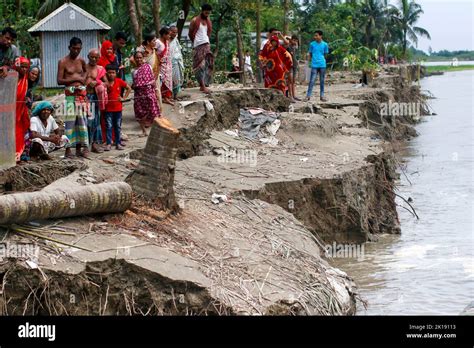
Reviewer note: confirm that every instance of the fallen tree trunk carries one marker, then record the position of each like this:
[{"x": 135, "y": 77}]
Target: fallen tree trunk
[
  {"x": 153, "y": 180},
  {"x": 75, "y": 201}
]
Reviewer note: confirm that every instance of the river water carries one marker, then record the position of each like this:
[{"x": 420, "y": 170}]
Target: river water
[{"x": 429, "y": 268}]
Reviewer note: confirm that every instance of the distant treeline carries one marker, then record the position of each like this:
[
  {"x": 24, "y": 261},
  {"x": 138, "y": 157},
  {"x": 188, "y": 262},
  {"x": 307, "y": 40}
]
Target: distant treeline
[{"x": 441, "y": 55}]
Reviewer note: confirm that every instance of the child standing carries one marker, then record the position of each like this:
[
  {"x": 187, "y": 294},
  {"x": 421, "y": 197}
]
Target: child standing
[{"x": 114, "y": 107}]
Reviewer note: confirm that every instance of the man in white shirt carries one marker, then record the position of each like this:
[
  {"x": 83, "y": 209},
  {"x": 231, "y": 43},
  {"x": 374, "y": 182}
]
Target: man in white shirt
[
  {"x": 248, "y": 66},
  {"x": 200, "y": 30},
  {"x": 45, "y": 136}
]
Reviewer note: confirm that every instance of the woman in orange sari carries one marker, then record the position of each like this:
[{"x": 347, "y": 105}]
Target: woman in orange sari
[
  {"x": 22, "y": 66},
  {"x": 277, "y": 62}
]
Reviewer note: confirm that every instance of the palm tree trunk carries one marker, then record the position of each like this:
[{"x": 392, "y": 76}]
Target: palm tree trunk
[
  {"x": 240, "y": 49},
  {"x": 112, "y": 197},
  {"x": 258, "y": 29},
  {"x": 18, "y": 4},
  {"x": 134, "y": 20},
  {"x": 183, "y": 14},
  {"x": 404, "y": 43},
  {"x": 156, "y": 15}
]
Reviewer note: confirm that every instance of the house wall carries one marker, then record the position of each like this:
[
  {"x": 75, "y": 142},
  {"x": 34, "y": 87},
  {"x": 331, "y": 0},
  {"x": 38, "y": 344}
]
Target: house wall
[{"x": 55, "y": 45}]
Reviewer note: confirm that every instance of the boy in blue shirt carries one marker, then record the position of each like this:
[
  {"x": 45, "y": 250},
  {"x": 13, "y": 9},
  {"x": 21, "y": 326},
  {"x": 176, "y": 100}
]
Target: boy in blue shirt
[{"x": 316, "y": 53}]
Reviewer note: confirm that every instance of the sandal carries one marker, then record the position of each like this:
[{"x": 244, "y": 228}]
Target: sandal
[{"x": 84, "y": 154}]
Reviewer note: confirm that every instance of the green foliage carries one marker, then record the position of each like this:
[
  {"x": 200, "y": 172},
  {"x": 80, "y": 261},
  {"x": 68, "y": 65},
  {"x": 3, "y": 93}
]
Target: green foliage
[
  {"x": 447, "y": 68},
  {"x": 21, "y": 19},
  {"x": 353, "y": 28},
  {"x": 461, "y": 55},
  {"x": 29, "y": 45},
  {"x": 188, "y": 68}
]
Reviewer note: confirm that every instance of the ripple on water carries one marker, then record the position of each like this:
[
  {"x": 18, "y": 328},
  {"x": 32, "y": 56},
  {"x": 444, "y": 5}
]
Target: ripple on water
[{"x": 429, "y": 269}]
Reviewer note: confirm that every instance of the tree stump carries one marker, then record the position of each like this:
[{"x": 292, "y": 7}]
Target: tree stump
[{"x": 153, "y": 180}]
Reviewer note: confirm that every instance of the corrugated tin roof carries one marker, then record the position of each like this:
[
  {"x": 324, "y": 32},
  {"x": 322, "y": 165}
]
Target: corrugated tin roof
[{"x": 69, "y": 17}]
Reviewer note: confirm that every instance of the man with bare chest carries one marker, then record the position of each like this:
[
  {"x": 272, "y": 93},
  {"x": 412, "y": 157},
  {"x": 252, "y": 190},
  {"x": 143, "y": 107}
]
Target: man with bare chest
[
  {"x": 72, "y": 73},
  {"x": 97, "y": 96}
]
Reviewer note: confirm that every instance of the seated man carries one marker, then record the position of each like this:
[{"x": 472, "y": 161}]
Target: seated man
[{"x": 45, "y": 136}]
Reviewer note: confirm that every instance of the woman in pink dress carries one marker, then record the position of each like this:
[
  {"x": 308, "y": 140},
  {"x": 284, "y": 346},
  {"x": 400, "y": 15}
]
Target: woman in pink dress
[
  {"x": 166, "y": 67},
  {"x": 145, "y": 102}
]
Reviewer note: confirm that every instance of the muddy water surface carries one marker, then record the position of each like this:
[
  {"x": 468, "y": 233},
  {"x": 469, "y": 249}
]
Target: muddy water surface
[{"x": 429, "y": 268}]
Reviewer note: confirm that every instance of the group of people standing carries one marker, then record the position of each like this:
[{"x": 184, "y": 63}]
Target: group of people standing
[
  {"x": 94, "y": 93},
  {"x": 99, "y": 85},
  {"x": 95, "y": 90},
  {"x": 28, "y": 78},
  {"x": 280, "y": 64}
]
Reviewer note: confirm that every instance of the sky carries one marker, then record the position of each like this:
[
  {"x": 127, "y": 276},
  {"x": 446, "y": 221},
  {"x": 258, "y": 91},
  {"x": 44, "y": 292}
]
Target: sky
[{"x": 449, "y": 22}]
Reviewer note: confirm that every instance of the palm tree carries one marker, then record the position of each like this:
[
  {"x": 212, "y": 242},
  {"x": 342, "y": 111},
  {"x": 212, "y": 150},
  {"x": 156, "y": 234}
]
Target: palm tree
[
  {"x": 49, "y": 6},
  {"x": 409, "y": 13},
  {"x": 389, "y": 31},
  {"x": 372, "y": 15}
]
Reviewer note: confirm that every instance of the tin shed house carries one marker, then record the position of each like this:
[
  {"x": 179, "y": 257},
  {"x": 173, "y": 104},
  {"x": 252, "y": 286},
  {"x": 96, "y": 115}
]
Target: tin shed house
[{"x": 55, "y": 32}]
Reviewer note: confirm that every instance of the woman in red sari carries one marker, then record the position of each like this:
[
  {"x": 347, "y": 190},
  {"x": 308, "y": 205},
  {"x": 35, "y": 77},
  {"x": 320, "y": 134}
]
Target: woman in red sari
[
  {"x": 277, "y": 62},
  {"x": 22, "y": 65}
]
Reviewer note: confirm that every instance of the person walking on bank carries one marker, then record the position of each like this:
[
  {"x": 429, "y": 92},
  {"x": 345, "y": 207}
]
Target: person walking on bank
[
  {"x": 200, "y": 30},
  {"x": 318, "y": 49}
]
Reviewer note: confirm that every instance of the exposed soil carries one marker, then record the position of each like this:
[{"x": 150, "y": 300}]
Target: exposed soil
[{"x": 330, "y": 178}]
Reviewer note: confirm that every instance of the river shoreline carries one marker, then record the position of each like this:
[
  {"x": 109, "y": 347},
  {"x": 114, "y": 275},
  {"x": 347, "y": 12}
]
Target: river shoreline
[
  {"x": 433, "y": 252},
  {"x": 330, "y": 179}
]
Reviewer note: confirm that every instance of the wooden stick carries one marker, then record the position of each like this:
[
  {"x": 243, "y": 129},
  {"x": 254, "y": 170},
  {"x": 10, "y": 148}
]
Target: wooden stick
[{"x": 20, "y": 230}]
